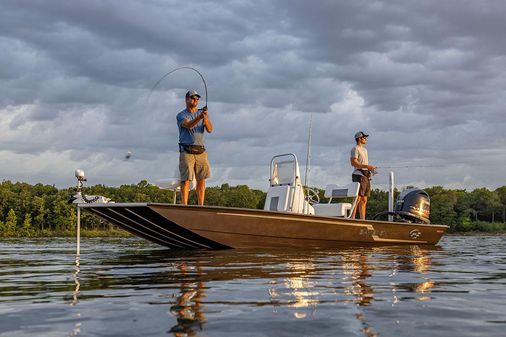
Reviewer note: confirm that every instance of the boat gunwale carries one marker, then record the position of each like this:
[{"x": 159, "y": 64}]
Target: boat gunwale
[{"x": 251, "y": 210}]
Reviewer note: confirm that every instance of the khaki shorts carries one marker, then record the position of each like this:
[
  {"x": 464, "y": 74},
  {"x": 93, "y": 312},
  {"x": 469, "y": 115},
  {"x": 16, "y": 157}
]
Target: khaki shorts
[
  {"x": 365, "y": 184},
  {"x": 194, "y": 165}
]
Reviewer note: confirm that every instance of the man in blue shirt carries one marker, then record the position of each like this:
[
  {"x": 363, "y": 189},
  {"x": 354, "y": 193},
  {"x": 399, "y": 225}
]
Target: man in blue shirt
[{"x": 193, "y": 162}]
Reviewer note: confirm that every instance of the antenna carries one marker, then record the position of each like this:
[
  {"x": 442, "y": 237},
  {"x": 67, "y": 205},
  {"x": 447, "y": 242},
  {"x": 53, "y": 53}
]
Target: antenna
[{"x": 308, "y": 157}]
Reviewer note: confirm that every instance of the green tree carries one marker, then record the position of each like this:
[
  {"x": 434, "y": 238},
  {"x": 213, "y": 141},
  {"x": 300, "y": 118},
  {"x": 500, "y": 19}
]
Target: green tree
[
  {"x": 376, "y": 203},
  {"x": 40, "y": 212},
  {"x": 442, "y": 206},
  {"x": 501, "y": 193},
  {"x": 462, "y": 207},
  {"x": 26, "y": 229},
  {"x": 483, "y": 202},
  {"x": 10, "y": 224}
]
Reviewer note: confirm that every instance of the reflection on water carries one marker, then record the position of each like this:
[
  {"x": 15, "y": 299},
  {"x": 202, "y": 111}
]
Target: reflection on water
[
  {"x": 76, "y": 281},
  {"x": 128, "y": 287},
  {"x": 188, "y": 305},
  {"x": 77, "y": 327},
  {"x": 294, "y": 280}
]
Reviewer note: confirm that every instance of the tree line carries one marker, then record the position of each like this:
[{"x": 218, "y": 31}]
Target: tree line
[{"x": 43, "y": 210}]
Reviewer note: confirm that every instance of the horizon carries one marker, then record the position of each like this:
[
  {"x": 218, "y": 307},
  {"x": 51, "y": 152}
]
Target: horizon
[{"x": 398, "y": 188}]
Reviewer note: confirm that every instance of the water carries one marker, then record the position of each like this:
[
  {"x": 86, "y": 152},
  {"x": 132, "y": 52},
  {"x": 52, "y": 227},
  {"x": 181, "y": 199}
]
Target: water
[{"x": 128, "y": 287}]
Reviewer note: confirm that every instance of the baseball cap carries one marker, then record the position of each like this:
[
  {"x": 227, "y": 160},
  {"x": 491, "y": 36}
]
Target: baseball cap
[
  {"x": 360, "y": 134},
  {"x": 192, "y": 92}
]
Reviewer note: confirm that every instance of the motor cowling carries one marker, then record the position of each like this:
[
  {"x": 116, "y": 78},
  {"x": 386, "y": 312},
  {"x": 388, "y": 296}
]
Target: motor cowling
[{"x": 413, "y": 205}]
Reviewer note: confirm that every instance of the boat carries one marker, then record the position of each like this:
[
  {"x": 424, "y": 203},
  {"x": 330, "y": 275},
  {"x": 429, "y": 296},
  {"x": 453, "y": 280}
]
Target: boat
[{"x": 290, "y": 218}]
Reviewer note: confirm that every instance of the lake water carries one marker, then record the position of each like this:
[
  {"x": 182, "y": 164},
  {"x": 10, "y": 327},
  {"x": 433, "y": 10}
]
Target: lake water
[{"x": 128, "y": 287}]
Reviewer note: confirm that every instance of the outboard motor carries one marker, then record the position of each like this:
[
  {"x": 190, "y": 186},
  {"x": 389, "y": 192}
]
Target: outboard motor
[{"x": 412, "y": 205}]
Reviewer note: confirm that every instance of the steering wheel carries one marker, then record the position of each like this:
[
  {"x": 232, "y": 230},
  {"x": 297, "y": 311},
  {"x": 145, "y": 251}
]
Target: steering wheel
[{"x": 312, "y": 196}]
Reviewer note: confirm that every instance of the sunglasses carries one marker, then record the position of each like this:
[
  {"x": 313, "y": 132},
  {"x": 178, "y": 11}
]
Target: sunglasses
[{"x": 195, "y": 98}]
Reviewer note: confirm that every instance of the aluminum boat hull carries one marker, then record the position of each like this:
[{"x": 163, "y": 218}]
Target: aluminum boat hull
[{"x": 206, "y": 227}]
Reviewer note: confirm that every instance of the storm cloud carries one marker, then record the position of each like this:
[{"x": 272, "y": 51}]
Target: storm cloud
[{"x": 425, "y": 79}]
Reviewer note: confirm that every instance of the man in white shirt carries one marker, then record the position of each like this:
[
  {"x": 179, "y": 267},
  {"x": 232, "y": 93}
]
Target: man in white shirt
[{"x": 360, "y": 161}]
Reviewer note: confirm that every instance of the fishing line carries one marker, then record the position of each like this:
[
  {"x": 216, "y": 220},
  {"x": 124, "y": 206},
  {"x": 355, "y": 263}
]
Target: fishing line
[
  {"x": 174, "y": 70},
  {"x": 408, "y": 166}
]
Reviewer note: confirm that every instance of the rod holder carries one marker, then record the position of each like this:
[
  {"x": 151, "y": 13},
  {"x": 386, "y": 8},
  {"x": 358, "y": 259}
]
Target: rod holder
[{"x": 391, "y": 197}]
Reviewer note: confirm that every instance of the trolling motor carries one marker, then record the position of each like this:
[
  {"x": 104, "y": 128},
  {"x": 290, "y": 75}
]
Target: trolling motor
[
  {"x": 412, "y": 206},
  {"x": 81, "y": 178},
  {"x": 79, "y": 197}
]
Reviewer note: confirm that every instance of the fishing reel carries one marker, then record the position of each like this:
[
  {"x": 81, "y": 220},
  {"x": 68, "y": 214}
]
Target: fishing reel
[{"x": 204, "y": 109}]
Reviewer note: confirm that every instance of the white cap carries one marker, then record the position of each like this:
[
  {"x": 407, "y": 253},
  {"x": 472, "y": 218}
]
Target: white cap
[{"x": 192, "y": 92}]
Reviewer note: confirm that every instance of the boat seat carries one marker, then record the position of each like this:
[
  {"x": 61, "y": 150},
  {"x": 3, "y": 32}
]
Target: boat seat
[
  {"x": 277, "y": 198},
  {"x": 171, "y": 184},
  {"x": 341, "y": 209},
  {"x": 338, "y": 209}
]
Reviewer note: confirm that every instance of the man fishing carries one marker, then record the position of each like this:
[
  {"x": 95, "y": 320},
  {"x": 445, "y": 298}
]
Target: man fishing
[
  {"x": 362, "y": 173},
  {"x": 193, "y": 162}
]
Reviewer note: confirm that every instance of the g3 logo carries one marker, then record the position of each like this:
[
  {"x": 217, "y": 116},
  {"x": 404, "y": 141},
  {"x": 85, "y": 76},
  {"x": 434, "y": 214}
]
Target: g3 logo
[{"x": 415, "y": 234}]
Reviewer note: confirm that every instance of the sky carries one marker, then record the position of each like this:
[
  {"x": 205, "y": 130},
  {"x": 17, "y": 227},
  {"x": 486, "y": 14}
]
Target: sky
[{"x": 425, "y": 79}]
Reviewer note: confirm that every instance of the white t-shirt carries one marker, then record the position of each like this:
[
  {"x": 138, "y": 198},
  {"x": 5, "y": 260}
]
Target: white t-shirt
[{"x": 360, "y": 153}]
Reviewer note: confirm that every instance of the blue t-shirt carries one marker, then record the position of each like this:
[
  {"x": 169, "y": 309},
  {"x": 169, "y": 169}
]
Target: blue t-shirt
[{"x": 193, "y": 136}]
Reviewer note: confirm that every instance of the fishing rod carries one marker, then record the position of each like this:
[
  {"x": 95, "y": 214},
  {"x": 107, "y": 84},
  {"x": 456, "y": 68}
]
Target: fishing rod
[
  {"x": 408, "y": 166},
  {"x": 129, "y": 153},
  {"x": 174, "y": 70},
  {"x": 401, "y": 167}
]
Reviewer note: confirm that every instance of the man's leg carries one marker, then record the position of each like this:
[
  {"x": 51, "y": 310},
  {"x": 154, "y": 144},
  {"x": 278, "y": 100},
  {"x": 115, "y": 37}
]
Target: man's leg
[
  {"x": 186, "y": 167},
  {"x": 202, "y": 172},
  {"x": 185, "y": 190},
  {"x": 363, "y": 206},
  {"x": 201, "y": 191}
]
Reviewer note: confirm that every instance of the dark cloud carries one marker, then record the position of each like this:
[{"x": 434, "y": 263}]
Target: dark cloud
[{"x": 425, "y": 78}]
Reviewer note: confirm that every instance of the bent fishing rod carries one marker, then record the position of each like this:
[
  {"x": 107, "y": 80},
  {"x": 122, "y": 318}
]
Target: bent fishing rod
[
  {"x": 129, "y": 154},
  {"x": 174, "y": 70}
]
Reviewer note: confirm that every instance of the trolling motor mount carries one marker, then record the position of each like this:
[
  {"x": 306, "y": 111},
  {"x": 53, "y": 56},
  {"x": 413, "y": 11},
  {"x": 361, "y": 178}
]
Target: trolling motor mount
[{"x": 79, "y": 197}]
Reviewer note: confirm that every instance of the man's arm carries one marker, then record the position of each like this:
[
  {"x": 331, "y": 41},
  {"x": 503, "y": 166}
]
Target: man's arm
[
  {"x": 190, "y": 123},
  {"x": 207, "y": 123},
  {"x": 356, "y": 164}
]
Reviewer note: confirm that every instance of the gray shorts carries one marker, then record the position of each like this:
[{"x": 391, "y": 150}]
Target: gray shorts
[
  {"x": 365, "y": 184},
  {"x": 194, "y": 165}
]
